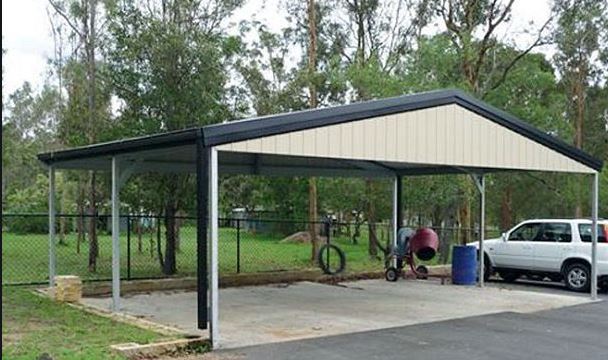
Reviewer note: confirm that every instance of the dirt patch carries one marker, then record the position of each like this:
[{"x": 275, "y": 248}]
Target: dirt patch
[
  {"x": 16, "y": 332},
  {"x": 301, "y": 237}
]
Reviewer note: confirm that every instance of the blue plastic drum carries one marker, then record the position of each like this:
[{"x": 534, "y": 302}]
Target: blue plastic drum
[{"x": 464, "y": 265}]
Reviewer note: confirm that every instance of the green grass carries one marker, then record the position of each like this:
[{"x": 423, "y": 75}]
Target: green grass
[
  {"x": 25, "y": 257},
  {"x": 33, "y": 325}
]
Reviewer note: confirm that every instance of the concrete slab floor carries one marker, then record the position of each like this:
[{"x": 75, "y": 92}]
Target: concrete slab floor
[{"x": 276, "y": 313}]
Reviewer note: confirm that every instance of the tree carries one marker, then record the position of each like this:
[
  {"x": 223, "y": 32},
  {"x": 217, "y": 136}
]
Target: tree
[
  {"x": 26, "y": 130},
  {"x": 81, "y": 17},
  {"x": 581, "y": 37},
  {"x": 313, "y": 210},
  {"x": 169, "y": 63}
]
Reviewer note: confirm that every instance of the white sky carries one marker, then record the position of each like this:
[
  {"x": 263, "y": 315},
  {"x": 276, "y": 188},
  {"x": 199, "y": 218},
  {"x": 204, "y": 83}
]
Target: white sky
[{"x": 27, "y": 39}]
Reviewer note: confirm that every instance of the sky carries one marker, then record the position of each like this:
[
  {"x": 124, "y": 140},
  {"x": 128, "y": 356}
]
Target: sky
[{"x": 26, "y": 33}]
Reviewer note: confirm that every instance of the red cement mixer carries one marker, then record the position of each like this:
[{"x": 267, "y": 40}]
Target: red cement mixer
[{"x": 423, "y": 243}]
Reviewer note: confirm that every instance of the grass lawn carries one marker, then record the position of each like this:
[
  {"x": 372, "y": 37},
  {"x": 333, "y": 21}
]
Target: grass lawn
[
  {"x": 25, "y": 257},
  {"x": 33, "y": 325}
]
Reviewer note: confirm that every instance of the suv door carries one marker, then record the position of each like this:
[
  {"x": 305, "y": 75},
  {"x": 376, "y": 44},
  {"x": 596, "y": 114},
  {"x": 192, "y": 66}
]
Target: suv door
[
  {"x": 517, "y": 252},
  {"x": 548, "y": 246}
]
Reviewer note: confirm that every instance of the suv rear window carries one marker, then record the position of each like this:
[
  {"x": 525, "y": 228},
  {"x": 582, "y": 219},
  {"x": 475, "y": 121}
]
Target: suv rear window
[
  {"x": 585, "y": 231},
  {"x": 555, "y": 232}
]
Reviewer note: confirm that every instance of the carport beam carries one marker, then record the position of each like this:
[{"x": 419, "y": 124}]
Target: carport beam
[
  {"x": 594, "y": 206},
  {"x": 115, "y": 235},
  {"x": 51, "y": 226}
]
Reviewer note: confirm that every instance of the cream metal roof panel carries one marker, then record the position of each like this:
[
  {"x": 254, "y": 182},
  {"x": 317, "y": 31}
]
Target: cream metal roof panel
[{"x": 445, "y": 135}]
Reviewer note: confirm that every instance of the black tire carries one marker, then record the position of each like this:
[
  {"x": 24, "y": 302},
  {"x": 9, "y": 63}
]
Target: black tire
[
  {"x": 329, "y": 250},
  {"x": 422, "y": 271},
  {"x": 509, "y": 276},
  {"x": 577, "y": 277},
  {"x": 488, "y": 270},
  {"x": 392, "y": 274}
]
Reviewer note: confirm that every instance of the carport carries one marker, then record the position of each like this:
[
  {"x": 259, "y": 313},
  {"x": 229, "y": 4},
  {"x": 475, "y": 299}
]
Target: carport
[{"x": 440, "y": 132}]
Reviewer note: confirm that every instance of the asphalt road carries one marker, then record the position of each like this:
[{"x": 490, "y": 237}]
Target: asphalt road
[{"x": 577, "y": 332}]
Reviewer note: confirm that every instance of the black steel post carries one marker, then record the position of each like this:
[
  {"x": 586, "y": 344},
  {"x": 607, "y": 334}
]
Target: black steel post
[
  {"x": 203, "y": 155},
  {"x": 327, "y": 233},
  {"x": 128, "y": 247},
  {"x": 238, "y": 246},
  {"x": 399, "y": 201}
]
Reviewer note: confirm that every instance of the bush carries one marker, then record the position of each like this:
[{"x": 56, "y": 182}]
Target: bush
[{"x": 26, "y": 224}]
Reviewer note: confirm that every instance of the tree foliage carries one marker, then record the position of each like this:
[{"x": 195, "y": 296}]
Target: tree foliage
[{"x": 164, "y": 65}]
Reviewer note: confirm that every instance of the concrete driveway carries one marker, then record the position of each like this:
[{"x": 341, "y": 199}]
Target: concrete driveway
[
  {"x": 278, "y": 313},
  {"x": 577, "y": 332}
]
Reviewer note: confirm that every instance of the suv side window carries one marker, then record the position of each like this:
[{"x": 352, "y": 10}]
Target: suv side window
[
  {"x": 555, "y": 232},
  {"x": 526, "y": 232},
  {"x": 585, "y": 231}
]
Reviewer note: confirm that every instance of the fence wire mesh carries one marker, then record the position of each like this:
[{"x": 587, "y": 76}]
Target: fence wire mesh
[{"x": 245, "y": 246}]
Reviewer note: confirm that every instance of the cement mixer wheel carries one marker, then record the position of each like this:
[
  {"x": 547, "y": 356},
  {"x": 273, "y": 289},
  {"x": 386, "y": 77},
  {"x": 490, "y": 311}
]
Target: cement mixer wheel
[
  {"x": 392, "y": 274},
  {"x": 422, "y": 272}
]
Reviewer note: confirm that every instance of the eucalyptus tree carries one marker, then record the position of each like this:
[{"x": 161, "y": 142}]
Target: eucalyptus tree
[
  {"x": 581, "y": 36},
  {"x": 168, "y": 64},
  {"x": 82, "y": 19}
]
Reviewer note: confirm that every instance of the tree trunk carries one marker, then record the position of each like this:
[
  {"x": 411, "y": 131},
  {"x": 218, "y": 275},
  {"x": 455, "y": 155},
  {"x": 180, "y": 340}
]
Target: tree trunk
[
  {"x": 155, "y": 223},
  {"x": 313, "y": 218},
  {"x": 465, "y": 214},
  {"x": 506, "y": 209},
  {"x": 93, "y": 247},
  {"x": 446, "y": 237},
  {"x": 178, "y": 226},
  {"x": 312, "y": 89},
  {"x": 169, "y": 266},
  {"x": 139, "y": 231},
  {"x": 372, "y": 244},
  {"x": 80, "y": 220},
  {"x": 62, "y": 230},
  {"x": 465, "y": 222},
  {"x": 579, "y": 90}
]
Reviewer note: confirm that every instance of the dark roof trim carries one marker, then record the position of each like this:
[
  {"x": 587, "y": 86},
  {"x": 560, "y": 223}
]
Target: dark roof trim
[
  {"x": 175, "y": 138},
  {"x": 218, "y": 134}
]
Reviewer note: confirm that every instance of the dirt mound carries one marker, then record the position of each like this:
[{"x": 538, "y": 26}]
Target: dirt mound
[{"x": 301, "y": 237}]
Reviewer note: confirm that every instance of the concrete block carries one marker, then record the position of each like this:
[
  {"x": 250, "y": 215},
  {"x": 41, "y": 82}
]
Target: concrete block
[
  {"x": 68, "y": 288},
  {"x": 154, "y": 350}
]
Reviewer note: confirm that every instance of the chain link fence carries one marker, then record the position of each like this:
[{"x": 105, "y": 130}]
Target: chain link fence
[{"x": 245, "y": 246}]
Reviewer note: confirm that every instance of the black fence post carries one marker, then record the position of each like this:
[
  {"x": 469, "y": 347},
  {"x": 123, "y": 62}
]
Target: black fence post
[
  {"x": 238, "y": 246},
  {"x": 328, "y": 235},
  {"x": 128, "y": 247}
]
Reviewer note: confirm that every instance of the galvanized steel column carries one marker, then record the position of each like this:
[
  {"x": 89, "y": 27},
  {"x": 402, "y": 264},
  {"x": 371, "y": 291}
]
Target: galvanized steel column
[
  {"x": 482, "y": 227},
  {"x": 594, "y": 206},
  {"x": 51, "y": 226},
  {"x": 115, "y": 235},
  {"x": 214, "y": 275}
]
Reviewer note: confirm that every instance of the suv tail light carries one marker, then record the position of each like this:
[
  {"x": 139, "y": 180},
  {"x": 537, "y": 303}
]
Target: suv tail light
[{"x": 605, "y": 228}]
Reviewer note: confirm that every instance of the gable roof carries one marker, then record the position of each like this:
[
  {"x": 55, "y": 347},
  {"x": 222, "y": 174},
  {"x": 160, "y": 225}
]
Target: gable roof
[{"x": 218, "y": 134}]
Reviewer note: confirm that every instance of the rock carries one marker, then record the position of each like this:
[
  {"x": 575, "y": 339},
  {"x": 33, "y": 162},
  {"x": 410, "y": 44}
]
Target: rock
[
  {"x": 301, "y": 237},
  {"x": 68, "y": 288}
]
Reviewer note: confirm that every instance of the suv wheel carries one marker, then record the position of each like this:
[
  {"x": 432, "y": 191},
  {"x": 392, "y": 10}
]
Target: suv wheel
[{"x": 578, "y": 277}]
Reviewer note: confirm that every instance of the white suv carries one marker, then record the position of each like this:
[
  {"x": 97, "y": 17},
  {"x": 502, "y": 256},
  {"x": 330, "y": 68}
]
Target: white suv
[{"x": 556, "y": 248}]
